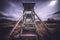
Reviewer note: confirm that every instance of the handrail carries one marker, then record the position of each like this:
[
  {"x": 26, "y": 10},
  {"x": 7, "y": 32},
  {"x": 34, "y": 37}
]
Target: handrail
[
  {"x": 42, "y": 23},
  {"x": 15, "y": 26}
]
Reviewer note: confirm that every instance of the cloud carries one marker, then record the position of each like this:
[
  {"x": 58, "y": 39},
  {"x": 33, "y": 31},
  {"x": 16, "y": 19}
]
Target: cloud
[{"x": 15, "y": 9}]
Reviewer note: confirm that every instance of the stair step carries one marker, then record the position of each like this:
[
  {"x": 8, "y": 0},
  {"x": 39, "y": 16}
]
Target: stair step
[
  {"x": 29, "y": 28},
  {"x": 29, "y": 31},
  {"x": 28, "y": 35},
  {"x": 28, "y": 23}
]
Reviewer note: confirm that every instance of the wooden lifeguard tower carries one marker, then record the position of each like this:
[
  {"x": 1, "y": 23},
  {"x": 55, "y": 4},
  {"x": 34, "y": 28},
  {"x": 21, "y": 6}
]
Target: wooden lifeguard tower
[{"x": 28, "y": 30}]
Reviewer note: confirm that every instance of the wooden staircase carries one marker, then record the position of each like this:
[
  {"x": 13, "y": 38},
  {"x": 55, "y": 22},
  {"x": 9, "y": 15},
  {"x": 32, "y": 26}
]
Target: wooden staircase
[
  {"x": 28, "y": 29},
  {"x": 29, "y": 33}
]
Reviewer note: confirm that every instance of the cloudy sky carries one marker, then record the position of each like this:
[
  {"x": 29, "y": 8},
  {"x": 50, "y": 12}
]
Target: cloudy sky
[{"x": 13, "y": 9}]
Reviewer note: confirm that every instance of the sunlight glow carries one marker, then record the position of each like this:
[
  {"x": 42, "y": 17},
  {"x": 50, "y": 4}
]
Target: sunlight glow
[{"x": 52, "y": 3}]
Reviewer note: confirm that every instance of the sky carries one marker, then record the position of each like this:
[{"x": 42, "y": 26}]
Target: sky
[{"x": 13, "y": 9}]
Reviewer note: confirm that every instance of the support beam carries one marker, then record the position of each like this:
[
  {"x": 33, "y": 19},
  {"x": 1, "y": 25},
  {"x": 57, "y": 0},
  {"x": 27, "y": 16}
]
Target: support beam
[
  {"x": 15, "y": 26},
  {"x": 42, "y": 23}
]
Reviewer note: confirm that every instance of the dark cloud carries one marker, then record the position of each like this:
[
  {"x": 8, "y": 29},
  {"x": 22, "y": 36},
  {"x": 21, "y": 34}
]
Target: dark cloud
[
  {"x": 1, "y": 15},
  {"x": 3, "y": 5},
  {"x": 11, "y": 7}
]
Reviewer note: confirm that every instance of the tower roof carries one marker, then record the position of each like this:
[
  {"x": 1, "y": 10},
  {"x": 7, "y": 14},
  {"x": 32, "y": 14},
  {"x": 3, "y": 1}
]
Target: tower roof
[{"x": 28, "y": 6}]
